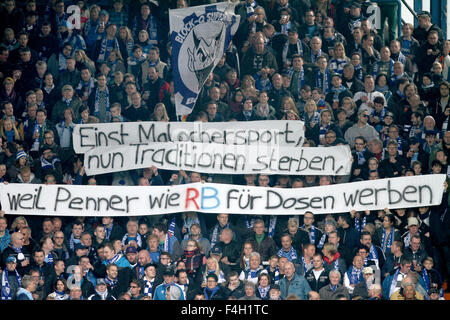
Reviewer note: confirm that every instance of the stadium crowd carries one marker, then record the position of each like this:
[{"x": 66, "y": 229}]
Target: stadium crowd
[{"x": 319, "y": 61}]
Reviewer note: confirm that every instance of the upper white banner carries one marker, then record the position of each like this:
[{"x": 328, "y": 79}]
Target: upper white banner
[{"x": 282, "y": 133}]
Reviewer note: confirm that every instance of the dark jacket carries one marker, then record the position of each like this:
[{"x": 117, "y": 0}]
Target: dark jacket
[
  {"x": 266, "y": 248},
  {"x": 318, "y": 284}
]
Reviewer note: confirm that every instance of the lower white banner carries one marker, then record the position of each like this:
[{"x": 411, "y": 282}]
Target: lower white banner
[{"x": 71, "y": 200}]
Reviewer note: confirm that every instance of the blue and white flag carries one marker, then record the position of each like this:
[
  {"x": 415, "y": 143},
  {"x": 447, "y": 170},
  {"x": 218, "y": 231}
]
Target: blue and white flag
[{"x": 199, "y": 37}]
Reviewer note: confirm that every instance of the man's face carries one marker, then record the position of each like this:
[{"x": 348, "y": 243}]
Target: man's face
[
  {"x": 258, "y": 228},
  {"x": 112, "y": 272},
  {"x": 334, "y": 278},
  {"x": 132, "y": 257},
  {"x": 39, "y": 257},
  {"x": 405, "y": 268},
  {"x": 165, "y": 260},
  {"x": 77, "y": 230},
  {"x": 289, "y": 270},
  {"x": 223, "y": 219},
  {"x": 234, "y": 281},
  {"x": 286, "y": 242},
  {"x": 308, "y": 219},
  {"x": 182, "y": 278},
  {"x": 415, "y": 244},
  {"x": 317, "y": 262},
  {"x": 366, "y": 240},
  {"x": 153, "y": 74},
  {"x": 100, "y": 233}
]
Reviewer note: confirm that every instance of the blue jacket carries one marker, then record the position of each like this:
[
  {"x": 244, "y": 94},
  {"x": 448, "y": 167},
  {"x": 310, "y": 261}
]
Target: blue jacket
[{"x": 299, "y": 286}]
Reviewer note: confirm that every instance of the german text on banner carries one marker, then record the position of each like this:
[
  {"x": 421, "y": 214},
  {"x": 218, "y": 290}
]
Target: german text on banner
[
  {"x": 199, "y": 37},
  {"x": 71, "y": 200},
  {"x": 269, "y": 132},
  {"x": 219, "y": 158}
]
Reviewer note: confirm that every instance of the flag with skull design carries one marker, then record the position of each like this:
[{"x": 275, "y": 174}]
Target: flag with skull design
[{"x": 199, "y": 38}]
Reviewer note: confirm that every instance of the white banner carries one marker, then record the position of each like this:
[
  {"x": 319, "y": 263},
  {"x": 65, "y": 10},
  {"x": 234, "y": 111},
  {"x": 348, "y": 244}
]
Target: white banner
[
  {"x": 222, "y": 159},
  {"x": 269, "y": 132},
  {"x": 70, "y": 200},
  {"x": 199, "y": 37}
]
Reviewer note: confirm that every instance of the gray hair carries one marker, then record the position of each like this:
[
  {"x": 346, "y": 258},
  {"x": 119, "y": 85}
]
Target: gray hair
[
  {"x": 26, "y": 281},
  {"x": 335, "y": 272}
]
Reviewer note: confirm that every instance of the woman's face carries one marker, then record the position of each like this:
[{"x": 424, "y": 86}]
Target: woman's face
[
  {"x": 9, "y": 85},
  {"x": 263, "y": 98},
  {"x": 68, "y": 115},
  {"x": 143, "y": 36},
  {"x": 211, "y": 264},
  {"x": 7, "y": 124},
  {"x": 85, "y": 115},
  {"x": 373, "y": 165},
  {"x": 386, "y": 222},
  {"x": 248, "y": 249},
  {"x": 22, "y": 162},
  {"x": 122, "y": 34},
  {"x": 60, "y": 286},
  {"x": 238, "y": 96},
  {"x": 264, "y": 282},
  {"x": 78, "y": 56},
  {"x": 382, "y": 81}
]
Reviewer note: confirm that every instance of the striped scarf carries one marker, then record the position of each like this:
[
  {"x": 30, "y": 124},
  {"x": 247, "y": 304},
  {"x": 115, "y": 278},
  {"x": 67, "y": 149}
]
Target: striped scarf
[
  {"x": 355, "y": 275},
  {"x": 312, "y": 233},
  {"x": 171, "y": 229},
  {"x": 215, "y": 234},
  {"x": 126, "y": 239},
  {"x": 193, "y": 260},
  {"x": 360, "y": 223},
  {"x": 6, "y": 289},
  {"x": 114, "y": 259},
  {"x": 112, "y": 283},
  {"x": 73, "y": 242},
  {"x": 49, "y": 258},
  {"x": 290, "y": 255},
  {"x": 148, "y": 287},
  {"x": 286, "y": 50},
  {"x": 386, "y": 241},
  {"x": 263, "y": 291}
]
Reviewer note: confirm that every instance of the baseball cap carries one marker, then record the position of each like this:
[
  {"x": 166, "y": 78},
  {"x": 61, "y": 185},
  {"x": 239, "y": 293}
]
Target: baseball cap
[
  {"x": 11, "y": 259},
  {"x": 413, "y": 221},
  {"x": 355, "y": 4},
  {"x": 424, "y": 13},
  {"x": 216, "y": 250},
  {"x": 131, "y": 249},
  {"x": 101, "y": 281},
  {"x": 80, "y": 246},
  {"x": 104, "y": 12},
  {"x": 368, "y": 270},
  {"x": 168, "y": 272},
  {"x": 413, "y": 140}
]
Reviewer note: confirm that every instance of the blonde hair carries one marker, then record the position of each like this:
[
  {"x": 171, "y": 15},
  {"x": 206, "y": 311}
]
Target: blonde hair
[
  {"x": 16, "y": 222},
  {"x": 2, "y": 129},
  {"x": 217, "y": 267},
  {"x": 165, "y": 116}
]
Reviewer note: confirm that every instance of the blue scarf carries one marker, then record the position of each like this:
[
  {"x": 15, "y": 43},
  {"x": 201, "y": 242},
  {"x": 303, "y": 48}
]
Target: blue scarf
[
  {"x": 148, "y": 287},
  {"x": 263, "y": 291},
  {"x": 337, "y": 91},
  {"x": 426, "y": 279},
  {"x": 290, "y": 255},
  {"x": 49, "y": 258},
  {"x": 286, "y": 49},
  {"x": 106, "y": 46},
  {"x": 355, "y": 275},
  {"x": 97, "y": 103},
  {"x": 323, "y": 81},
  {"x": 46, "y": 165},
  {"x": 300, "y": 79},
  {"x": 111, "y": 283},
  {"x": 215, "y": 234},
  {"x": 322, "y": 241},
  {"x": 312, "y": 234},
  {"x": 360, "y": 223},
  {"x": 114, "y": 259},
  {"x": 373, "y": 255},
  {"x": 272, "y": 225},
  {"x": 213, "y": 292},
  {"x": 73, "y": 242},
  {"x": 376, "y": 68},
  {"x": 386, "y": 241},
  {"x": 276, "y": 274},
  {"x": 6, "y": 289},
  {"x": 361, "y": 158}
]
